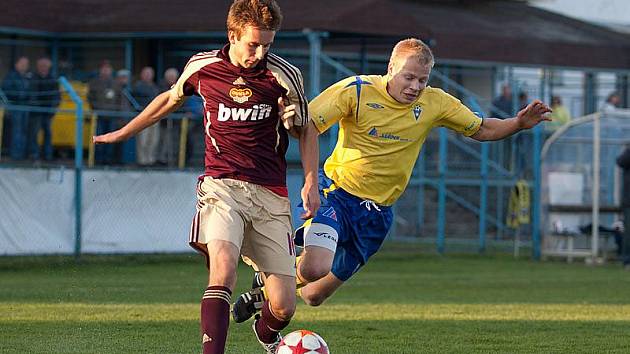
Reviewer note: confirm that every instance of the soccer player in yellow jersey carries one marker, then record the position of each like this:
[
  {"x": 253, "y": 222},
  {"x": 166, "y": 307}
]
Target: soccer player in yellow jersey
[{"x": 383, "y": 123}]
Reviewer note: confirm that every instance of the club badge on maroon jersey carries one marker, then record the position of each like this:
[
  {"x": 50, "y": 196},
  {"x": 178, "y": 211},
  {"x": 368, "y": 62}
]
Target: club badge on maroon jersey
[{"x": 240, "y": 95}]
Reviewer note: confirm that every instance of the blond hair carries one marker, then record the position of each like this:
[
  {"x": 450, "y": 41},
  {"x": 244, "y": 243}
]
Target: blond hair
[
  {"x": 412, "y": 47},
  {"x": 261, "y": 14}
]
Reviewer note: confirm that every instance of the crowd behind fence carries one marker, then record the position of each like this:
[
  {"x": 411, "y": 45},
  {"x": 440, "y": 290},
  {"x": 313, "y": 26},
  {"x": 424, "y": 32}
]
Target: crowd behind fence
[{"x": 455, "y": 178}]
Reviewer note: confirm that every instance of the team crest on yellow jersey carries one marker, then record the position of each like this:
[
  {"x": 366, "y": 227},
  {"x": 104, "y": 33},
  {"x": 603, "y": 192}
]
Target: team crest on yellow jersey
[
  {"x": 240, "y": 95},
  {"x": 417, "y": 110}
]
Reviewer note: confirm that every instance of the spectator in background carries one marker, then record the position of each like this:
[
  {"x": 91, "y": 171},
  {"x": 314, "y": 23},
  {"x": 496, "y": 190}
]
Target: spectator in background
[
  {"x": 523, "y": 100},
  {"x": 612, "y": 102},
  {"x": 102, "y": 97},
  {"x": 560, "y": 115},
  {"x": 168, "y": 129},
  {"x": 193, "y": 110},
  {"x": 624, "y": 162},
  {"x": 144, "y": 91},
  {"x": 16, "y": 86},
  {"x": 125, "y": 152},
  {"x": 123, "y": 78},
  {"x": 45, "y": 94},
  {"x": 503, "y": 103}
]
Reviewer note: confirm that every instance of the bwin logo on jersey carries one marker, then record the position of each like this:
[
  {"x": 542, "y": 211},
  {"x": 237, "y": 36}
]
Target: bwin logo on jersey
[
  {"x": 417, "y": 110},
  {"x": 257, "y": 112}
]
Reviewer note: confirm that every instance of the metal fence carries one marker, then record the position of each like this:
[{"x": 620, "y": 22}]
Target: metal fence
[
  {"x": 460, "y": 190},
  {"x": 582, "y": 185}
]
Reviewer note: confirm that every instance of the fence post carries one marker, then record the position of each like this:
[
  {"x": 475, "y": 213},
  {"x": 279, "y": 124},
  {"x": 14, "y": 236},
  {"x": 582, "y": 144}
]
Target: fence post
[
  {"x": 536, "y": 207},
  {"x": 442, "y": 190},
  {"x": 78, "y": 164},
  {"x": 91, "y": 147},
  {"x": 483, "y": 197},
  {"x": 183, "y": 137},
  {"x": 315, "y": 49}
]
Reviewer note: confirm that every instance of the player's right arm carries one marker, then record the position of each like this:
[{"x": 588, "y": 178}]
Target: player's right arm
[
  {"x": 161, "y": 106},
  {"x": 164, "y": 104}
]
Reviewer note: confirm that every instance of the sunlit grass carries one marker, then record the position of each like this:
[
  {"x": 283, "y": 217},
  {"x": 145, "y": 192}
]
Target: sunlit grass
[
  {"x": 46, "y": 312},
  {"x": 411, "y": 303}
]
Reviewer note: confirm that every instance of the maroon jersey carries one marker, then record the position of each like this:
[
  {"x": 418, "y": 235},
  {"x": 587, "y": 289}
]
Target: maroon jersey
[{"x": 244, "y": 137}]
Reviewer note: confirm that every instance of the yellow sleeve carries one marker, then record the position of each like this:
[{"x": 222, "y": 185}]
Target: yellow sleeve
[
  {"x": 456, "y": 116},
  {"x": 333, "y": 104}
]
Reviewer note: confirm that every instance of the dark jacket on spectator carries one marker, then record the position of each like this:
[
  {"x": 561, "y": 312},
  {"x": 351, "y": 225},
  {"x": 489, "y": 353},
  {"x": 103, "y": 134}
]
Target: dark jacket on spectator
[
  {"x": 145, "y": 92},
  {"x": 624, "y": 162},
  {"x": 16, "y": 87},
  {"x": 102, "y": 94},
  {"x": 45, "y": 91}
]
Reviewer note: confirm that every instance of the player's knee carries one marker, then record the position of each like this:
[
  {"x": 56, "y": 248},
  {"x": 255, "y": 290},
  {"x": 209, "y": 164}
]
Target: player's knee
[
  {"x": 314, "y": 299},
  {"x": 284, "y": 312},
  {"x": 223, "y": 273},
  {"x": 314, "y": 271}
]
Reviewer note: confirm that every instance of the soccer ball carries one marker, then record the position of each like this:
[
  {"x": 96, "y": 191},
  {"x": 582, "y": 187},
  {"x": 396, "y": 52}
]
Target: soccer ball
[{"x": 302, "y": 342}]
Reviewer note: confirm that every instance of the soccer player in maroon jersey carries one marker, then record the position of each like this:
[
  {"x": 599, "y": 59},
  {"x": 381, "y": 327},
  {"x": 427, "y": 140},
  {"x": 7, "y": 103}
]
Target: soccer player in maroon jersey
[{"x": 251, "y": 98}]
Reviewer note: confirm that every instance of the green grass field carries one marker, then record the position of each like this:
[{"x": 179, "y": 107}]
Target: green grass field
[{"x": 400, "y": 303}]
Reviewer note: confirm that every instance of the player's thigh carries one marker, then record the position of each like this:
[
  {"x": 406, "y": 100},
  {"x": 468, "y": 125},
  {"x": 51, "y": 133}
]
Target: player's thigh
[
  {"x": 280, "y": 291},
  {"x": 315, "y": 262},
  {"x": 268, "y": 243},
  {"x": 320, "y": 236},
  {"x": 217, "y": 228},
  {"x": 223, "y": 260}
]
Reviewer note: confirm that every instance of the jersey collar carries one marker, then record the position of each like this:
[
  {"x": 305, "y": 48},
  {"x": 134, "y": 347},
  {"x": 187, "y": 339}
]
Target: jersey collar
[{"x": 247, "y": 72}]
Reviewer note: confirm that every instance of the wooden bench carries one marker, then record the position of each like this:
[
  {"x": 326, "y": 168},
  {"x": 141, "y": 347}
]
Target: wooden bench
[{"x": 562, "y": 244}]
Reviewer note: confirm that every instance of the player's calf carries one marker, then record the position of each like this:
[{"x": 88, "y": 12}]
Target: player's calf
[
  {"x": 270, "y": 348},
  {"x": 269, "y": 323}
]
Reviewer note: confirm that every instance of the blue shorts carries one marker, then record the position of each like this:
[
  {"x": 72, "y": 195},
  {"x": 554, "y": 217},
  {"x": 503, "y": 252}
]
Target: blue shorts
[{"x": 361, "y": 226}]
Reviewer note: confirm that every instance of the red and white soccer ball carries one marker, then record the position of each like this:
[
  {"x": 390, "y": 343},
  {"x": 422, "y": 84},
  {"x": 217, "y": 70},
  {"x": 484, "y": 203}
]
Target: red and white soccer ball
[{"x": 302, "y": 342}]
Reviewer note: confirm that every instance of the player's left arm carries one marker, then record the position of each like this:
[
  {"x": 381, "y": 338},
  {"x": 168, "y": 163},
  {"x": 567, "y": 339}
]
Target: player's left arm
[
  {"x": 293, "y": 111},
  {"x": 527, "y": 118},
  {"x": 309, "y": 152}
]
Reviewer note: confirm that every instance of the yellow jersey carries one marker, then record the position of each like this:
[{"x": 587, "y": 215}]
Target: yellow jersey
[{"x": 380, "y": 138}]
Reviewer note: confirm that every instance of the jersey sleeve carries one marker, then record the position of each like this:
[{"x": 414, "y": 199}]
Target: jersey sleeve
[
  {"x": 333, "y": 104},
  {"x": 456, "y": 116},
  {"x": 290, "y": 78},
  {"x": 187, "y": 83}
]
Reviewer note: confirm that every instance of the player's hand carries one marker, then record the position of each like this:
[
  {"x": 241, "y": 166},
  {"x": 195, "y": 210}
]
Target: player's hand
[
  {"x": 109, "y": 138},
  {"x": 310, "y": 200},
  {"x": 533, "y": 114},
  {"x": 286, "y": 113}
]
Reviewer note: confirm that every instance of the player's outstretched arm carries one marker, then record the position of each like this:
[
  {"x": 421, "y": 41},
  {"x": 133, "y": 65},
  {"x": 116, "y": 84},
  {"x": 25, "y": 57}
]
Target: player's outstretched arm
[
  {"x": 527, "y": 118},
  {"x": 161, "y": 106}
]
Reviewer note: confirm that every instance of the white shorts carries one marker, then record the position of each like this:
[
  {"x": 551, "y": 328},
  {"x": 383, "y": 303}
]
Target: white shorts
[{"x": 253, "y": 218}]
